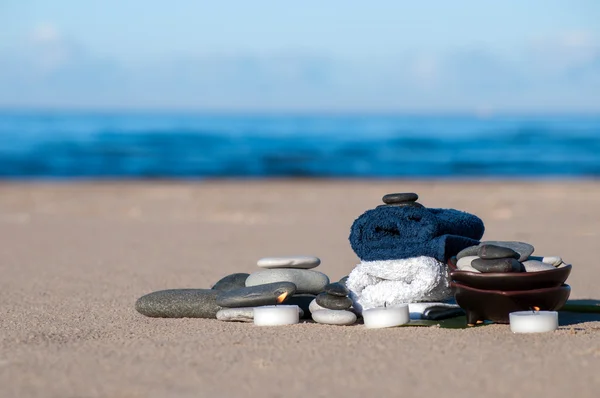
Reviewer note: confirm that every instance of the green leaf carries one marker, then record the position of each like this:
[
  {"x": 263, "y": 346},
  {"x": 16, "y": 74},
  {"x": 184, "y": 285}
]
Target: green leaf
[
  {"x": 459, "y": 322},
  {"x": 583, "y": 306}
]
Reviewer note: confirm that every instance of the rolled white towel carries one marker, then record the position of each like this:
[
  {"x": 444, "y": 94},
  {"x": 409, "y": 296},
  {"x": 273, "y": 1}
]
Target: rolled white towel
[{"x": 392, "y": 282}]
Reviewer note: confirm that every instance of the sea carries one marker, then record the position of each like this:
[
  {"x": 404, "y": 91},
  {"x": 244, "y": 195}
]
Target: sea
[{"x": 163, "y": 145}]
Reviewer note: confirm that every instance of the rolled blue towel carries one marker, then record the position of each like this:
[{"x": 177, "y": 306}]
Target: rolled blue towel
[{"x": 396, "y": 232}]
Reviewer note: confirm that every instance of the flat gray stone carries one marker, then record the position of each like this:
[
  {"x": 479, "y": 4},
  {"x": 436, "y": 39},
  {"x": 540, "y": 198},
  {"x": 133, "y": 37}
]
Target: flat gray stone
[
  {"x": 230, "y": 282},
  {"x": 333, "y": 317},
  {"x": 301, "y": 262},
  {"x": 243, "y": 314},
  {"x": 524, "y": 249},
  {"x": 465, "y": 262},
  {"x": 255, "y": 296},
  {"x": 313, "y": 306},
  {"x": 491, "y": 252},
  {"x": 330, "y": 302},
  {"x": 536, "y": 266},
  {"x": 343, "y": 280},
  {"x": 303, "y": 301},
  {"x": 337, "y": 289},
  {"x": 179, "y": 303},
  {"x": 306, "y": 281},
  {"x": 496, "y": 265},
  {"x": 468, "y": 252}
]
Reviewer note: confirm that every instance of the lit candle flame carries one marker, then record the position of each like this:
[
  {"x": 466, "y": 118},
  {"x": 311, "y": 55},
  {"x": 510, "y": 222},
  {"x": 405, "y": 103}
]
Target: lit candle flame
[
  {"x": 282, "y": 297},
  {"x": 536, "y": 308}
]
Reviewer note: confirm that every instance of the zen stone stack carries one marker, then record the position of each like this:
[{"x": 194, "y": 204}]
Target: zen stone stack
[
  {"x": 504, "y": 256},
  {"x": 281, "y": 280},
  {"x": 332, "y": 307}
]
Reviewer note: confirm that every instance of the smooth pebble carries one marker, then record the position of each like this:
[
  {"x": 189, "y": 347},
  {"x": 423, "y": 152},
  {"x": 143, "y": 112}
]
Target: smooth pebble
[
  {"x": 536, "y": 266},
  {"x": 392, "y": 198},
  {"x": 333, "y": 317},
  {"x": 524, "y": 249},
  {"x": 300, "y": 262},
  {"x": 254, "y": 296},
  {"x": 242, "y": 314},
  {"x": 468, "y": 268},
  {"x": 306, "y": 281},
  {"x": 313, "y": 306},
  {"x": 496, "y": 265},
  {"x": 337, "y": 289},
  {"x": 230, "y": 282},
  {"x": 330, "y": 302},
  {"x": 179, "y": 303},
  {"x": 403, "y": 204},
  {"x": 465, "y": 262},
  {"x": 553, "y": 260},
  {"x": 492, "y": 252},
  {"x": 468, "y": 252}
]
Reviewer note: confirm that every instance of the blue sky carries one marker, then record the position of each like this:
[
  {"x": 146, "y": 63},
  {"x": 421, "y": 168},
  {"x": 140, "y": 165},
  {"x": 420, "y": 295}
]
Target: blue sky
[{"x": 262, "y": 55}]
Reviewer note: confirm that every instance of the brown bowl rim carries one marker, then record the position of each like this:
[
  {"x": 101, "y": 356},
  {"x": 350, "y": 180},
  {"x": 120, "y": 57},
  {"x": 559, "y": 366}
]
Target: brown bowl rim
[{"x": 453, "y": 269}]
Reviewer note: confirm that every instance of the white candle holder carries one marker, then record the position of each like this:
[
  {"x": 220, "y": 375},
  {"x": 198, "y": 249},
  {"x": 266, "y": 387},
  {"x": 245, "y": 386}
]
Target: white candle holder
[
  {"x": 276, "y": 315},
  {"x": 386, "y": 317},
  {"x": 533, "y": 321}
]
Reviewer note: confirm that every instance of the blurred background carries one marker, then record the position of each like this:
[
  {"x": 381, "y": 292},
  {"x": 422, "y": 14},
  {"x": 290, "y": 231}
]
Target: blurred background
[{"x": 239, "y": 89}]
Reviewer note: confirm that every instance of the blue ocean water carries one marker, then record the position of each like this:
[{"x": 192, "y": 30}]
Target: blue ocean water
[{"x": 145, "y": 145}]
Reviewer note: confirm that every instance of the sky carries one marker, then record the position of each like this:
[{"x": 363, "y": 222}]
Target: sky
[{"x": 268, "y": 55}]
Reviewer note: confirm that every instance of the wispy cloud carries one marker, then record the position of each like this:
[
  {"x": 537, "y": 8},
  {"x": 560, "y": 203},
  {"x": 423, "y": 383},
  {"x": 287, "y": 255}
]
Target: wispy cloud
[{"x": 52, "y": 69}]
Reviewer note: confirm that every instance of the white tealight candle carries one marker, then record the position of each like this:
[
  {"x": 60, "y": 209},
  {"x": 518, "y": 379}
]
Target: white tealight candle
[
  {"x": 386, "y": 317},
  {"x": 275, "y": 315},
  {"x": 533, "y": 321}
]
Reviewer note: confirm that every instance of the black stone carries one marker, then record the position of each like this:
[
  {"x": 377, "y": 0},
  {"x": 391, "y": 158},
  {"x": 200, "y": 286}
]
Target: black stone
[
  {"x": 303, "y": 301},
  {"x": 492, "y": 252},
  {"x": 469, "y": 251},
  {"x": 337, "y": 289},
  {"x": 255, "y": 296},
  {"x": 343, "y": 281},
  {"x": 333, "y": 302},
  {"x": 403, "y": 204},
  {"x": 230, "y": 282},
  {"x": 496, "y": 265},
  {"x": 179, "y": 303},
  {"x": 392, "y": 198},
  {"x": 524, "y": 249}
]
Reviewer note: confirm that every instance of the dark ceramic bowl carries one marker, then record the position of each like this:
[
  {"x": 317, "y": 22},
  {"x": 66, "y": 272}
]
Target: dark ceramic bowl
[
  {"x": 508, "y": 281},
  {"x": 495, "y": 305}
]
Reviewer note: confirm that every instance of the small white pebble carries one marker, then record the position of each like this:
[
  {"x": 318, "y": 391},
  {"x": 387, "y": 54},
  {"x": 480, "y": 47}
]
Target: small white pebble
[
  {"x": 468, "y": 268},
  {"x": 334, "y": 317},
  {"x": 553, "y": 260},
  {"x": 465, "y": 262}
]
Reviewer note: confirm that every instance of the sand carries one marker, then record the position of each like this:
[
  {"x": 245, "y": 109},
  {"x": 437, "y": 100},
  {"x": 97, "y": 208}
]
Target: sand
[{"x": 75, "y": 257}]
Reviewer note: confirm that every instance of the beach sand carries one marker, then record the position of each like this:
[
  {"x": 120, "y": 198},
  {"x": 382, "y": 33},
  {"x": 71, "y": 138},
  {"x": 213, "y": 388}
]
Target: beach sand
[{"x": 75, "y": 257}]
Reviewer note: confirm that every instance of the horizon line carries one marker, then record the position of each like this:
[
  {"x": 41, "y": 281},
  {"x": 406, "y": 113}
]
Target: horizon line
[{"x": 482, "y": 113}]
